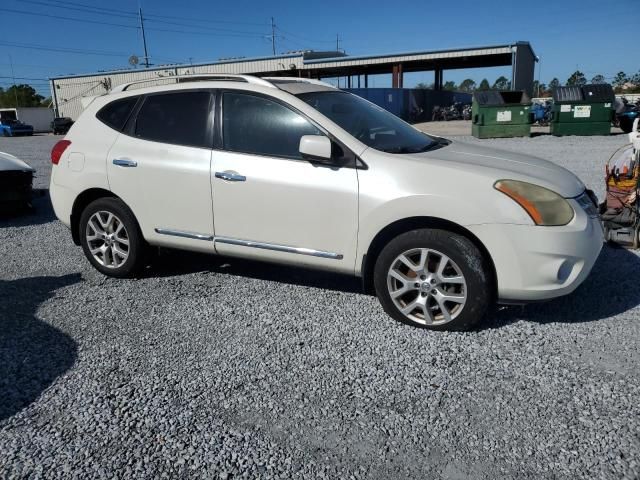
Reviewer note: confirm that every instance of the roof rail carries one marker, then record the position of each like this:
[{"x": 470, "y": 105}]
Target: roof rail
[
  {"x": 301, "y": 80},
  {"x": 198, "y": 77}
]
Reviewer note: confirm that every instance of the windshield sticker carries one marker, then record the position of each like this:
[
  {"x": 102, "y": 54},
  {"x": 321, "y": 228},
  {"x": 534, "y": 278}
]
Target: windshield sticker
[{"x": 565, "y": 108}]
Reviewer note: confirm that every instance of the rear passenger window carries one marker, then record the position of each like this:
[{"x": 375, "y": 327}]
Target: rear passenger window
[
  {"x": 261, "y": 126},
  {"x": 180, "y": 118},
  {"x": 115, "y": 114}
]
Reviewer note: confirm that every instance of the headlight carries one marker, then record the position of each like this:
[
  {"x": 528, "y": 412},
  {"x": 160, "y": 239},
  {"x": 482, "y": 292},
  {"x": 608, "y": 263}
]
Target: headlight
[{"x": 544, "y": 206}]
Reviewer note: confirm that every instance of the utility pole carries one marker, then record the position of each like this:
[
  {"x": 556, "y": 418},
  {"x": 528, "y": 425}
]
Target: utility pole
[
  {"x": 337, "y": 42},
  {"x": 273, "y": 36},
  {"x": 13, "y": 75},
  {"x": 144, "y": 40}
]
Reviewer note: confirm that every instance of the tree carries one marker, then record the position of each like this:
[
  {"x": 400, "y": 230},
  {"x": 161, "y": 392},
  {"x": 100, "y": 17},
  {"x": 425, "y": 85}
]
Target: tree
[
  {"x": 502, "y": 83},
  {"x": 555, "y": 83},
  {"x": 539, "y": 89},
  {"x": 598, "y": 79},
  {"x": 620, "y": 79},
  {"x": 427, "y": 86},
  {"x": 484, "y": 85},
  {"x": 25, "y": 95},
  {"x": 449, "y": 85},
  {"x": 467, "y": 85},
  {"x": 577, "y": 78}
]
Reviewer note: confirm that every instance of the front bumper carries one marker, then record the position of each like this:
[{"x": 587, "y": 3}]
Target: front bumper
[
  {"x": 15, "y": 186},
  {"x": 538, "y": 263}
]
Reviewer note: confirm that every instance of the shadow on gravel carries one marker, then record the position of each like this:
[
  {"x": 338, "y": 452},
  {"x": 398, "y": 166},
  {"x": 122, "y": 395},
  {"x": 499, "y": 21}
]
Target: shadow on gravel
[
  {"x": 174, "y": 262},
  {"x": 32, "y": 353},
  {"x": 612, "y": 288},
  {"x": 39, "y": 213}
]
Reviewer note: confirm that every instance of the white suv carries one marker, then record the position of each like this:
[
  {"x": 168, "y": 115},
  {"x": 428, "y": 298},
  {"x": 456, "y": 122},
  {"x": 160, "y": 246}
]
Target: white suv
[{"x": 296, "y": 171}]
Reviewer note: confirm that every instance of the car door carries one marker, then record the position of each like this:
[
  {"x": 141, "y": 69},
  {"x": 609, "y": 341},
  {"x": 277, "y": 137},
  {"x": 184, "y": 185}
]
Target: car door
[
  {"x": 269, "y": 202},
  {"x": 160, "y": 166}
]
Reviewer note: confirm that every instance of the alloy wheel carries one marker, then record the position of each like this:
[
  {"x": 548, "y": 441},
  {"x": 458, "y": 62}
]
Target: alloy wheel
[
  {"x": 427, "y": 286},
  {"x": 107, "y": 239}
]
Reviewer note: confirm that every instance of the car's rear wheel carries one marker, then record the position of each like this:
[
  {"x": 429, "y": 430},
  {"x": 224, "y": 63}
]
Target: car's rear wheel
[
  {"x": 110, "y": 238},
  {"x": 433, "y": 279}
]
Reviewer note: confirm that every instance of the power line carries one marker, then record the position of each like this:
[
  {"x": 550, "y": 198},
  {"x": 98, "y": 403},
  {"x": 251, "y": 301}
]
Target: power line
[
  {"x": 63, "y": 50},
  {"x": 304, "y": 39},
  {"x": 131, "y": 14},
  {"x": 22, "y": 78},
  {"x": 62, "y": 17},
  {"x": 84, "y": 9}
]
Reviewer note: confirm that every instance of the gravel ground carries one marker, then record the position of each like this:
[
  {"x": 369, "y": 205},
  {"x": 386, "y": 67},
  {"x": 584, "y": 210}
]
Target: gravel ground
[{"x": 177, "y": 374}]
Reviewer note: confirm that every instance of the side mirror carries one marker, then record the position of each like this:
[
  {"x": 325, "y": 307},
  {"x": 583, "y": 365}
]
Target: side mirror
[{"x": 315, "y": 148}]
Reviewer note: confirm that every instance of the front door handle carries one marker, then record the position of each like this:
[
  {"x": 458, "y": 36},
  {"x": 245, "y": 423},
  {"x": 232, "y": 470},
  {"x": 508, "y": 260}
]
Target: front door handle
[
  {"x": 231, "y": 176},
  {"x": 123, "y": 162}
]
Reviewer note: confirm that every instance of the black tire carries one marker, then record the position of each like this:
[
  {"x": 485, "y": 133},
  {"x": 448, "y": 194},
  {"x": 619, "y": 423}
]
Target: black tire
[
  {"x": 626, "y": 124},
  {"x": 473, "y": 266},
  {"x": 136, "y": 248}
]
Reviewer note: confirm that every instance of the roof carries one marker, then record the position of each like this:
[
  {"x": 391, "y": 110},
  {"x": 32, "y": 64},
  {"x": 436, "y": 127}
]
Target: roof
[{"x": 316, "y": 59}]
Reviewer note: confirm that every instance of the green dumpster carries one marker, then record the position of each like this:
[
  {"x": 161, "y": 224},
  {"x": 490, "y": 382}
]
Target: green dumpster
[
  {"x": 501, "y": 114},
  {"x": 586, "y": 110}
]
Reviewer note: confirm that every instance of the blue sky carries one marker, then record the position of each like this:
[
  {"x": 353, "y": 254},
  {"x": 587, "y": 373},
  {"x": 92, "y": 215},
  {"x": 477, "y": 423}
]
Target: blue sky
[{"x": 594, "y": 36}]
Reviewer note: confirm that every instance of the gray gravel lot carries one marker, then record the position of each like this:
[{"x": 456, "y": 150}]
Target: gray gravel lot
[{"x": 217, "y": 368}]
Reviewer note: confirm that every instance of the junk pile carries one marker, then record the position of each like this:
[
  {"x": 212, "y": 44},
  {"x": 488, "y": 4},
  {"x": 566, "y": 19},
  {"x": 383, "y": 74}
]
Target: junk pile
[{"x": 619, "y": 212}]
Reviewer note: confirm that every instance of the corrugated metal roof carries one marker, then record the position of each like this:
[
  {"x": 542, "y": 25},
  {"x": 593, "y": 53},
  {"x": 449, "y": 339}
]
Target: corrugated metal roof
[
  {"x": 454, "y": 52},
  {"x": 181, "y": 66}
]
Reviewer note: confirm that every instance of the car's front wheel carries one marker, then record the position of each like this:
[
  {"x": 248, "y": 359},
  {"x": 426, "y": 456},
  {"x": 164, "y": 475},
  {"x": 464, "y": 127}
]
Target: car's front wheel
[
  {"x": 111, "y": 238},
  {"x": 433, "y": 279}
]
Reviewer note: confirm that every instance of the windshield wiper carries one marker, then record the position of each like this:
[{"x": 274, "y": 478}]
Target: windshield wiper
[{"x": 426, "y": 148}]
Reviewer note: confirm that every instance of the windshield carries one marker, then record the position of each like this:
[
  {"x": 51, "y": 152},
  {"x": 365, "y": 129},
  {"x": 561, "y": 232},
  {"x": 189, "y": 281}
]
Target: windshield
[{"x": 369, "y": 123}]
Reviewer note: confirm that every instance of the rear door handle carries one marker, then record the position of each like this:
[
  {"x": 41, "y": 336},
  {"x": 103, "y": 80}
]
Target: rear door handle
[
  {"x": 231, "y": 176},
  {"x": 123, "y": 162}
]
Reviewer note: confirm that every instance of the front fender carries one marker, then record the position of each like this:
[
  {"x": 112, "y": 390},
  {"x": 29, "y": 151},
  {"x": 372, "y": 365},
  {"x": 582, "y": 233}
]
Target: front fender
[{"x": 457, "y": 208}]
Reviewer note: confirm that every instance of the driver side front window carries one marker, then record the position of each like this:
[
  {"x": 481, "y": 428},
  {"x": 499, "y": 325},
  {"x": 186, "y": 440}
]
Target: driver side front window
[{"x": 261, "y": 126}]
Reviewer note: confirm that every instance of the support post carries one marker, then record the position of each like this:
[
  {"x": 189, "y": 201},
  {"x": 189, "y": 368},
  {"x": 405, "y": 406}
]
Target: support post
[
  {"x": 366, "y": 80},
  {"x": 437, "y": 79}
]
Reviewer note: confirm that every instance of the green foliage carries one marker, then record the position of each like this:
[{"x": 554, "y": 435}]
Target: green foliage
[
  {"x": 577, "y": 78},
  {"x": 502, "y": 83},
  {"x": 484, "y": 85},
  {"x": 555, "y": 83},
  {"x": 620, "y": 79},
  {"x": 427, "y": 86},
  {"x": 467, "y": 85},
  {"x": 540, "y": 89},
  {"x": 598, "y": 79},
  {"x": 26, "y": 97},
  {"x": 449, "y": 85}
]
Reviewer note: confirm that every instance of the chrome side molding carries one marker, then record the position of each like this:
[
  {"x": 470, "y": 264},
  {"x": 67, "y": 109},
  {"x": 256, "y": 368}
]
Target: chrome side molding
[
  {"x": 251, "y": 244},
  {"x": 180, "y": 233},
  {"x": 278, "y": 248}
]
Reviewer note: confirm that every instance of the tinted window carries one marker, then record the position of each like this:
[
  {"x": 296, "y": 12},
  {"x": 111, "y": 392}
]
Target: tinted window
[
  {"x": 372, "y": 125},
  {"x": 261, "y": 126},
  {"x": 115, "y": 114},
  {"x": 180, "y": 118}
]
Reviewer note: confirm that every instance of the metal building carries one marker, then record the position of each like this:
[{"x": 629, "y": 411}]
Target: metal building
[{"x": 66, "y": 91}]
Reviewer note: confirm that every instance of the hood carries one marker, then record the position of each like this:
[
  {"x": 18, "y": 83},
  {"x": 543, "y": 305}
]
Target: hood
[
  {"x": 9, "y": 162},
  {"x": 511, "y": 165}
]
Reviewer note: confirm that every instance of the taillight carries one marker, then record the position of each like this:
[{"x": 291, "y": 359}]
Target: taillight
[{"x": 58, "y": 149}]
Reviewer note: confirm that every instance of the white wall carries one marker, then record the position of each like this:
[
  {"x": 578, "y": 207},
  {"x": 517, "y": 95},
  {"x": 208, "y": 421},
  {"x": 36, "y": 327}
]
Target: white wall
[{"x": 39, "y": 117}]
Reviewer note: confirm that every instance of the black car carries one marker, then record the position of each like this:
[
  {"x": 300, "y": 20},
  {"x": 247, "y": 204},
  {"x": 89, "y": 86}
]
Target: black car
[
  {"x": 16, "y": 178},
  {"x": 61, "y": 125}
]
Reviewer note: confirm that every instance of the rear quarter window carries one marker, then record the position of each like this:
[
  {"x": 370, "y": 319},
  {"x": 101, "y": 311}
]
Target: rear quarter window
[{"x": 116, "y": 113}]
